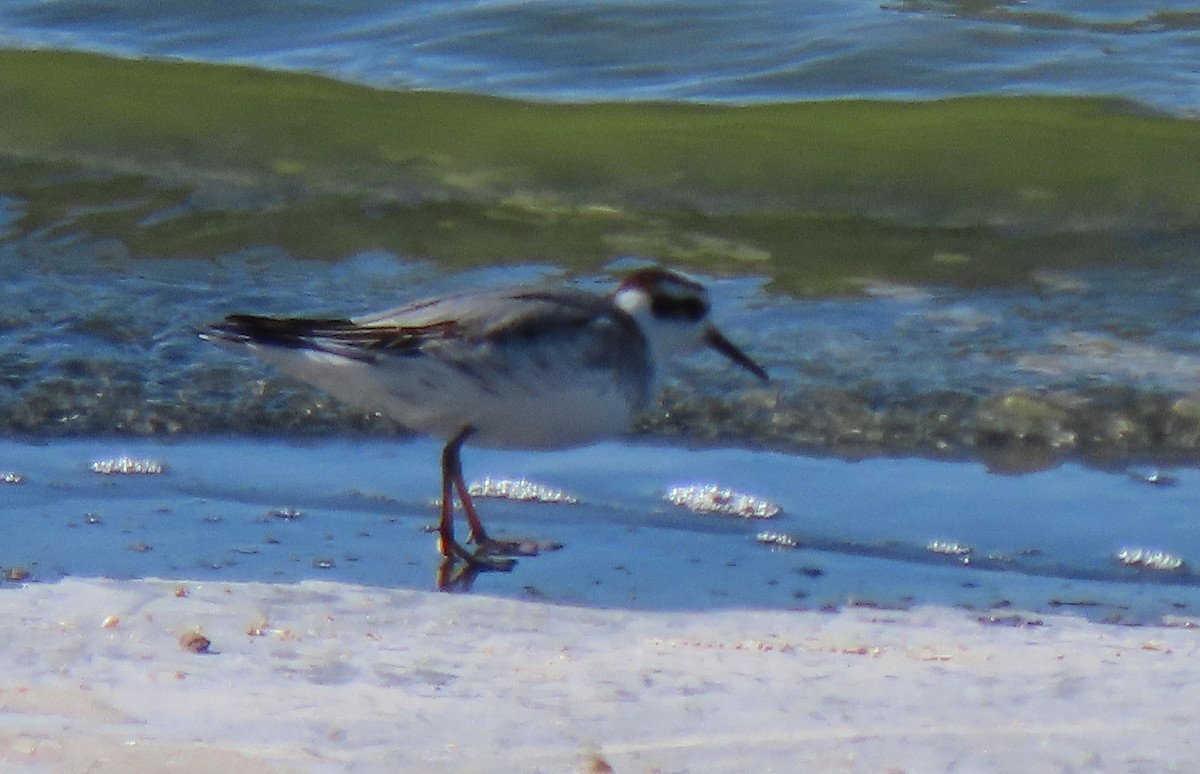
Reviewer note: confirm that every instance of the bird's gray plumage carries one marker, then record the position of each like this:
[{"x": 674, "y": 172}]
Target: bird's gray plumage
[{"x": 539, "y": 341}]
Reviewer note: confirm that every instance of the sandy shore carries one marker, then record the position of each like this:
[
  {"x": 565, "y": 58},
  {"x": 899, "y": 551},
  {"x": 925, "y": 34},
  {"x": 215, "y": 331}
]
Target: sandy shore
[{"x": 316, "y": 677}]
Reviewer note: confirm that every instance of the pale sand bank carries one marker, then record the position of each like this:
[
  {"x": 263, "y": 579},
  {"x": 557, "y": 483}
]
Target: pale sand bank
[{"x": 316, "y": 677}]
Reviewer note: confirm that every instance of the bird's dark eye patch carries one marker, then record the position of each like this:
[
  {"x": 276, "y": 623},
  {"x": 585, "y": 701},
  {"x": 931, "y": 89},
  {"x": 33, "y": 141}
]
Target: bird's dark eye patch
[{"x": 689, "y": 308}]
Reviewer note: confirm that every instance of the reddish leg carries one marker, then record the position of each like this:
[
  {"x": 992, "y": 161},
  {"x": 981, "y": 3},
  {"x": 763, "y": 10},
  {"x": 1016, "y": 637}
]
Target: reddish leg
[
  {"x": 452, "y": 481},
  {"x": 475, "y": 532},
  {"x": 446, "y": 542}
]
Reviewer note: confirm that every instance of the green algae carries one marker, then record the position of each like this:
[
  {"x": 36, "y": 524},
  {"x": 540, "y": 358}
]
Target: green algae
[{"x": 173, "y": 158}]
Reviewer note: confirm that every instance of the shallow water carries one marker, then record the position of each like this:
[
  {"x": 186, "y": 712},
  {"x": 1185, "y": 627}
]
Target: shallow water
[
  {"x": 359, "y": 512},
  {"x": 694, "y": 50},
  {"x": 1097, "y": 364}
]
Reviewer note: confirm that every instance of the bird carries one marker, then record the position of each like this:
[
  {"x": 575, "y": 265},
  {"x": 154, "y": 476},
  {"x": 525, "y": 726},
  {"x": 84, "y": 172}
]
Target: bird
[{"x": 535, "y": 367}]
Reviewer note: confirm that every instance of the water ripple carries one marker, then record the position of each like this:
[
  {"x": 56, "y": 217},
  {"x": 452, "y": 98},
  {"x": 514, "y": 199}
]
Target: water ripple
[{"x": 697, "y": 50}]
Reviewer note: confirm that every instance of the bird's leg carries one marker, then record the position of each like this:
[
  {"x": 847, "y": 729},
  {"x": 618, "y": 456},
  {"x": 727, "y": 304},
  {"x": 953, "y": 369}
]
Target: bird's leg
[
  {"x": 452, "y": 480},
  {"x": 476, "y": 533},
  {"x": 449, "y": 547}
]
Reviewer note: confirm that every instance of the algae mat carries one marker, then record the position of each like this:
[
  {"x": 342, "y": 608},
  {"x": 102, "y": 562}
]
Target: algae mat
[{"x": 172, "y": 158}]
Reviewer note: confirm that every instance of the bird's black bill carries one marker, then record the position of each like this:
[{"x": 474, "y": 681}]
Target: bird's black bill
[{"x": 727, "y": 348}]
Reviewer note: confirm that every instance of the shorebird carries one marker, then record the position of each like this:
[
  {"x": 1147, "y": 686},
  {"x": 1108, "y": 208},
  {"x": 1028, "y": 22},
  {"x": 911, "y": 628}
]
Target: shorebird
[{"x": 525, "y": 367}]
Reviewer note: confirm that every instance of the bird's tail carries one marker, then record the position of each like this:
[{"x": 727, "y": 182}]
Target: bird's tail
[{"x": 288, "y": 332}]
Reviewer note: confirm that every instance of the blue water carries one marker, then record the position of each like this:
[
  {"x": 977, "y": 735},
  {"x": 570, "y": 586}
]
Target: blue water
[
  {"x": 359, "y": 512},
  {"x": 1147, "y": 50}
]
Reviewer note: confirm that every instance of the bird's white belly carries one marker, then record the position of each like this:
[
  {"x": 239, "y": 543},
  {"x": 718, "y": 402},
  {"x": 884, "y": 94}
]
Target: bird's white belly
[
  {"x": 525, "y": 410},
  {"x": 558, "y": 417}
]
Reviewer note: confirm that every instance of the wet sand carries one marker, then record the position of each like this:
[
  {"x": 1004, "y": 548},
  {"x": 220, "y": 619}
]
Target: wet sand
[{"x": 322, "y": 677}]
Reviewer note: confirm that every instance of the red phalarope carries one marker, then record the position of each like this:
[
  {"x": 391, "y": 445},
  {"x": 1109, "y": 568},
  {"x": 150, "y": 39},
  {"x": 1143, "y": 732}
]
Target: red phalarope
[{"x": 524, "y": 368}]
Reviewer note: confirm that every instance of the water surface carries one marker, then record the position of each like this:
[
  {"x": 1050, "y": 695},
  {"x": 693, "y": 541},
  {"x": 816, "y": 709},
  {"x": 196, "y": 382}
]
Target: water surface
[
  {"x": 866, "y": 533},
  {"x": 665, "y": 50}
]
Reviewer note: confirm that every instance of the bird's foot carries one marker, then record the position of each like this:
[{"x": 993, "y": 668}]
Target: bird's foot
[
  {"x": 484, "y": 556},
  {"x": 522, "y": 547},
  {"x": 460, "y": 567}
]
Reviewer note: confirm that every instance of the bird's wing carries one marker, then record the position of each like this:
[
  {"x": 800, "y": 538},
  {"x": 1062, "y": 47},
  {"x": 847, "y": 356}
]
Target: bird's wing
[
  {"x": 468, "y": 317},
  {"x": 335, "y": 336},
  {"x": 487, "y": 316}
]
